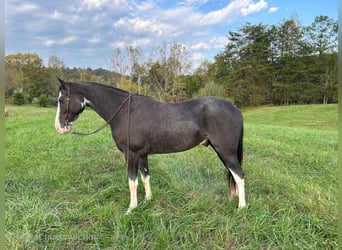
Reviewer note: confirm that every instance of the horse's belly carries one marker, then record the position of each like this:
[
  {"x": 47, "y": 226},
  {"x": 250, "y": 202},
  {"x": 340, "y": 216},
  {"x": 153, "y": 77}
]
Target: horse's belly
[{"x": 175, "y": 142}]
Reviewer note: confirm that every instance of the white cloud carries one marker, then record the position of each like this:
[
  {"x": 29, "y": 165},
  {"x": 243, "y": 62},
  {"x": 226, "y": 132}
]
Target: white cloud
[
  {"x": 213, "y": 44},
  {"x": 114, "y": 6},
  {"x": 195, "y": 2},
  {"x": 56, "y": 15},
  {"x": 197, "y": 56},
  {"x": 101, "y": 25},
  {"x": 67, "y": 40},
  {"x": 253, "y": 7},
  {"x": 180, "y": 23},
  {"x": 25, "y": 7},
  {"x": 217, "y": 16},
  {"x": 218, "y": 42},
  {"x": 94, "y": 4},
  {"x": 119, "y": 44},
  {"x": 49, "y": 42},
  {"x": 95, "y": 39},
  {"x": 273, "y": 9},
  {"x": 146, "y": 6},
  {"x": 199, "y": 46},
  {"x": 14, "y": 7},
  {"x": 63, "y": 41},
  {"x": 232, "y": 11},
  {"x": 138, "y": 25},
  {"x": 141, "y": 42}
]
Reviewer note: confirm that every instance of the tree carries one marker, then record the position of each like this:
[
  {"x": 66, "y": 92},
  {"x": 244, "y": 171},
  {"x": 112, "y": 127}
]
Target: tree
[
  {"x": 165, "y": 73},
  {"x": 20, "y": 59},
  {"x": 289, "y": 65},
  {"x": 36, "y": 81},
  {"x": 55, "y": 63},
  {"x": 288, "y": 38},
  {"x": 56, "y": 68},
  {"x": 321, "y": 37},
  {"x": 87, "y": 75},
  {"x": 248, "y": 61},
  {"x": 27, "y": 74},
  {"x": 14, "y": 66},
  {"x": 280, "y": 64},
  {"x": 127, "y": 62}
]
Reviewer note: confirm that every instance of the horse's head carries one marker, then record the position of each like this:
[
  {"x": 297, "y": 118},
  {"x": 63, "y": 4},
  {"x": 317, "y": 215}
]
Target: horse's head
[{"x": 69, "y": 107}]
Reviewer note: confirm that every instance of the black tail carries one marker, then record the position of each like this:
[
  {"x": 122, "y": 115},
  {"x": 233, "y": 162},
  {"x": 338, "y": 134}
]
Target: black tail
[{"x": 240, "y": 148}]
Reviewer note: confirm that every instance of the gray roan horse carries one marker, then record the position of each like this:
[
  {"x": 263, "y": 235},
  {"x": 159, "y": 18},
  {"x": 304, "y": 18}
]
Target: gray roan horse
[{"x": 141, "y": 125}]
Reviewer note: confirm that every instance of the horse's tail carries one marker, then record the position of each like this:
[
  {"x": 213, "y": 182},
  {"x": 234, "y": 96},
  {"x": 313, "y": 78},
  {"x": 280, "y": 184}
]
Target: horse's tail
[{"x": 240, "y": 147}]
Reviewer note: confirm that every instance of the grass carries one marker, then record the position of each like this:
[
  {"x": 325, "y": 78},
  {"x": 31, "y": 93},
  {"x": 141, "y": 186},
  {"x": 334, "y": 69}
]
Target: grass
[{"x": 71, "y": 192}]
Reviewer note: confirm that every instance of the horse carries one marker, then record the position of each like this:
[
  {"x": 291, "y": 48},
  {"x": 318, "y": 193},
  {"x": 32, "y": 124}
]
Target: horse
[{"x": 141, "y": 126}]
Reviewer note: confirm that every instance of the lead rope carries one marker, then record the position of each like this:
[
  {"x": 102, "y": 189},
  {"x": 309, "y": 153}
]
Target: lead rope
[{"x": 108, "y": 121}]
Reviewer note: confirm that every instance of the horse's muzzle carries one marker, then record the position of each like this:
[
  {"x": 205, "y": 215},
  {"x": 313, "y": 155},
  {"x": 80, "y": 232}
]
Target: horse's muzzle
[{"x": 63, "y": 130}]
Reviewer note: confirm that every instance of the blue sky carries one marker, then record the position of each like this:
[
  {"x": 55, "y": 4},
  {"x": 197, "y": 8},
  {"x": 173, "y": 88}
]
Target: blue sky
[{"x": 84, "y": 33}]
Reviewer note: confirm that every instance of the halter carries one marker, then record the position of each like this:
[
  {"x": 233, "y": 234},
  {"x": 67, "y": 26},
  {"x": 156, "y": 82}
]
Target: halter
[{"x": 128, "y": 99}]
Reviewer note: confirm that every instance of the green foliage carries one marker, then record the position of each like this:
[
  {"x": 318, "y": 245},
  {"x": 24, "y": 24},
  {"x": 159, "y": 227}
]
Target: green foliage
[
  {"x": 212, "y": 89},
  {"x": 43, "y": 101},
  {"x": 64, "y": 193},
  {"x": 18, "y": 98},
  {"x": 125, "y": 84}
]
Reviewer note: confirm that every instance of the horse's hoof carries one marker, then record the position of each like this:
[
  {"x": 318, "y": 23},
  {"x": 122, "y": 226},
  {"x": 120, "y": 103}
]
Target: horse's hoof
[
  {"x": 129, "y": 210},
  {"x": 240, "y": 207}
]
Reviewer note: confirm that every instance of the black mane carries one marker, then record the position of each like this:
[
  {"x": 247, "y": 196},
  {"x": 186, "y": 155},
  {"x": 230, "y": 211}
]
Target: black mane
[{"x": 104, "y": 86}]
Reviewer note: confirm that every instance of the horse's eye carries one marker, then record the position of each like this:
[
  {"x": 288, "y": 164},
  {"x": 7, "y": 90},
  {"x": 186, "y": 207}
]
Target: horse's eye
[{"x": 60, "y": 99}]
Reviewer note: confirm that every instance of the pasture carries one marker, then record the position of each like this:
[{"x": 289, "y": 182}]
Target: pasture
[{"x": 71, "y": 192}]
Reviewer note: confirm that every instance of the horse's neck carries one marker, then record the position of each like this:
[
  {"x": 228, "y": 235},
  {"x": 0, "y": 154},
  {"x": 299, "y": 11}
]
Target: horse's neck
[{"x": 103, "y": 100}]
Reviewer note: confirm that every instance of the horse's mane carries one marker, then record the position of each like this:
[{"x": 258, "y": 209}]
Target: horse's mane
[{"x": 103, "y": 85}]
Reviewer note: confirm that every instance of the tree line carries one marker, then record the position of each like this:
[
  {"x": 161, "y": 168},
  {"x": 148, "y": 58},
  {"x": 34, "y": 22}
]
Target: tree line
[{"x": 281, "y": 64}]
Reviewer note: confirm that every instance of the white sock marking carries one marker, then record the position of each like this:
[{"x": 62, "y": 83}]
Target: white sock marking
[
  {"x": 240, "y": 184},
  {"x": 133, "y": 185},
  {"x": 57, "y": 122},
  {"x": 146, "y": 181}
]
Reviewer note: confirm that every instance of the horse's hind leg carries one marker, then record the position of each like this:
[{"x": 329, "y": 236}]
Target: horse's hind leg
[
  {"x": 240, "y": 183},
  {"x": 235, "y": 174},
  {"x": 143, "y": 165}
]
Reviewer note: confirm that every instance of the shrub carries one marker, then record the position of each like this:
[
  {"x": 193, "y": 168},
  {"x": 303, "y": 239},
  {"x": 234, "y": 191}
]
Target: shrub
[
  {"x": 212, "y": 89},
  {"x": 18, "y": 98},
  {"x": 43, "y": 101}
]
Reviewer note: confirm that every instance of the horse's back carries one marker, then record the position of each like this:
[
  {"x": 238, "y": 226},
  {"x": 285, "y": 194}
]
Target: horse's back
[{"x": 199, "y": 110}]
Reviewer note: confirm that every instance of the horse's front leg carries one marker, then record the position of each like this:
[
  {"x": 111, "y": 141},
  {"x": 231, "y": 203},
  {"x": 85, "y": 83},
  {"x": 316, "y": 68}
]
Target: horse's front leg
[
  {"x": 145, "y": 176},
  {"x": 132, "y": 169}
]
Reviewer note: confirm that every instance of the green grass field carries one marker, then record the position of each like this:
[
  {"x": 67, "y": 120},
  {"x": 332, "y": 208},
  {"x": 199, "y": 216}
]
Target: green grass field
[{"x": 71, "y": 192}]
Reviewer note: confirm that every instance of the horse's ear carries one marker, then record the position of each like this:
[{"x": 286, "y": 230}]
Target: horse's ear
[{"x": 61, "y": 82}]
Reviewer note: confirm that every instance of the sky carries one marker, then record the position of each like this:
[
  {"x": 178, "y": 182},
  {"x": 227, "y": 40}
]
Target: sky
[{"x": 84, "y": 33}]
